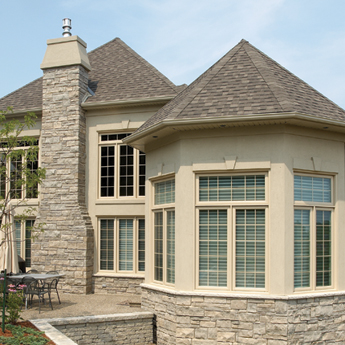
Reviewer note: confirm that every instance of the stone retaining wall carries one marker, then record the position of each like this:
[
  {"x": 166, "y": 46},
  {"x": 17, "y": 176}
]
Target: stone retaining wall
[
  {"x": 194, "y": 319},
  {"x": 114, "y": 285},
  {"x": 118, "y": 329}
]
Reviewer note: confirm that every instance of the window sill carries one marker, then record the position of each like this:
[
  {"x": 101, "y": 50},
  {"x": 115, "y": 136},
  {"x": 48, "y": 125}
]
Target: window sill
[
  {"x": 120, "y": 201},
  {"x": 119, "y": 275}
]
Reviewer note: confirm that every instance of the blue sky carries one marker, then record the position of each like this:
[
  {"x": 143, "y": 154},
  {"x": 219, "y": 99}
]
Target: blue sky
[{"x": 182, "y": 38}]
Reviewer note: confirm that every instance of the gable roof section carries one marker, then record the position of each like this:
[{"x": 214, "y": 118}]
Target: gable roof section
[
  {"x": 118, "y": 73},
  {"x": 245, "y": 82}
]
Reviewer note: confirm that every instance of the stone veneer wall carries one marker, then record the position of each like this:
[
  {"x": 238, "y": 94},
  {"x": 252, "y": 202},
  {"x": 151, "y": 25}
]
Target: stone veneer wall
[
  {"x": 197, "y": 319},
  {"x": 114, "y": 285},
  {"x": 119, "y": 329},
  {"x": 66, "y": 245}
]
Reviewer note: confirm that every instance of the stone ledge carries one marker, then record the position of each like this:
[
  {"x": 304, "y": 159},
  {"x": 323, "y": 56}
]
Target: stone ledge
[{"x": 243, "y": 295}]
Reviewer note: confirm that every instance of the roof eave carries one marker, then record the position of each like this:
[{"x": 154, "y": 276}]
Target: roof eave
[
  {"x": 252, "y": 119},
  {"x": 135, "y": 102},
  {"x": 22, "y": 112}
]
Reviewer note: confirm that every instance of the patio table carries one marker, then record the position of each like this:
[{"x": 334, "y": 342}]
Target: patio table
[{"x": 37, "y": 276}]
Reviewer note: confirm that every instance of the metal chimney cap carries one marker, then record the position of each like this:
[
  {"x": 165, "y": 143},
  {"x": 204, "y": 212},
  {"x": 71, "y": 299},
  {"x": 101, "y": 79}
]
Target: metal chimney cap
[{"x": 66, "y": 25}]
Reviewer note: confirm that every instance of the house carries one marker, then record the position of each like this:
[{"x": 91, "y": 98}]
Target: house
[{"x": 221, "y": 202}]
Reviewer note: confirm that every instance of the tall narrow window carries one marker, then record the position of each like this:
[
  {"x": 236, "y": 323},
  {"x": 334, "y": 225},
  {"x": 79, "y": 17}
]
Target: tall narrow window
[
  {"x": 16, "y": 177},
  {"x": 142, "y": 173},
  {"x": 158, "y": 246},
  {"x": 107, "y": 171},
  {"x": 171, "y": 247},
  {"x": 141, "y": 246},
  {"x": 32, "y": 189},
  {"x": 122, "y": 168},
  {"x": 302, "y": 248},
  {"x": 250, "y": 248},
  {"x": 313, "y": 232},
  {"x": 213, "y": 241},
  {"x": 323, "y": 248},
  {"x": 28, "y": 226},
  {"x": 107, "y": 244},
  {"x": 23, "y": 239},
  {"x": 164, "y": 231},
  {"x": 126, "y": 170},
  {"x": 126, "y": 245}
]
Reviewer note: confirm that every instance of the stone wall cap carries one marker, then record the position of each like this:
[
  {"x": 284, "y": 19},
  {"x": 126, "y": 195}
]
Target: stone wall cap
[{"x": 97, "y": 318}]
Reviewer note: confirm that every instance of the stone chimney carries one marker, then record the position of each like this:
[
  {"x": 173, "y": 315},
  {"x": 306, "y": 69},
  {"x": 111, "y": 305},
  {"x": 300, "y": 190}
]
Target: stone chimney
[{"x": 67, "y": 243}]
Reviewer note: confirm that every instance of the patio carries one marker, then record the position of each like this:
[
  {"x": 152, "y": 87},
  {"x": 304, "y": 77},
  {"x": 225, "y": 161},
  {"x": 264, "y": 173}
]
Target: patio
[{"x": 83, "y": 305}]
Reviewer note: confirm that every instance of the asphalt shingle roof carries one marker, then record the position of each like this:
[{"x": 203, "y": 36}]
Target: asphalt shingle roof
[
  {"x": 245, "y": 81},
  {"x": 118, "y": 73}
]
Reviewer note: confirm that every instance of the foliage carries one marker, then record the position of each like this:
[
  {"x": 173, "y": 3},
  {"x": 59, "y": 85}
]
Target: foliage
[
  {"x": 23, "y": 336},
  {"x": 14, "y": 302},
  {"x": 20, "y": 174}
]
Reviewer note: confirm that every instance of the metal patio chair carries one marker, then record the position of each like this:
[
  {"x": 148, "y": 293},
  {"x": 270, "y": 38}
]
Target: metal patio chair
[{"x": 34, "y": 289}]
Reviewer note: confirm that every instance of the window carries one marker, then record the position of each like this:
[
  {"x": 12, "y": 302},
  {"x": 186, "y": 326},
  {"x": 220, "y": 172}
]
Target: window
[
  {"x": 232, "y": 232},
  {"x": 164, "y": 231},
  {"x": 23, "y": 239},
  {"x": 312, "y": 232},
  {"x": 12, "y": 173},
  {"x": 122, "y": 245},
  {"x": 122, "y": 168}
]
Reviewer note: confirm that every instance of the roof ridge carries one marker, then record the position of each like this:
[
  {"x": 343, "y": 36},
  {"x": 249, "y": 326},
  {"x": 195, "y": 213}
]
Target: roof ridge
[
  {"x": 104, "y": 44},
  {"x": 147, "y": 64},
  {"x": 172, "y": 110},
  {"x": 265, "y": 72},
  {"x": 219, "y": 64}
]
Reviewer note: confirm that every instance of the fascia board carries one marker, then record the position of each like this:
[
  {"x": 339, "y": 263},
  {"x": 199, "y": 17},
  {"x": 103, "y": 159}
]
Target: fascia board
[{"x": 232, "y": 120}]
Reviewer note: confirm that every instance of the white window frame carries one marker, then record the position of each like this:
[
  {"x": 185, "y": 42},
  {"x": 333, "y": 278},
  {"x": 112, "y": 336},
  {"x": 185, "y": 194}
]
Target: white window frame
[
  {"x": 136, "y": 163},
  {"x": 116, "y": 258},
  {"x": 313, "y": 207},
  {"x": 231, "y": 207},
  {"x": 164, "y": 209}
]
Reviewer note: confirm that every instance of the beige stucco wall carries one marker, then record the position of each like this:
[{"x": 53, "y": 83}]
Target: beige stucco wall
[
  {"x": 276, "y": 150},
  {"x": 110, "y": 120}
]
